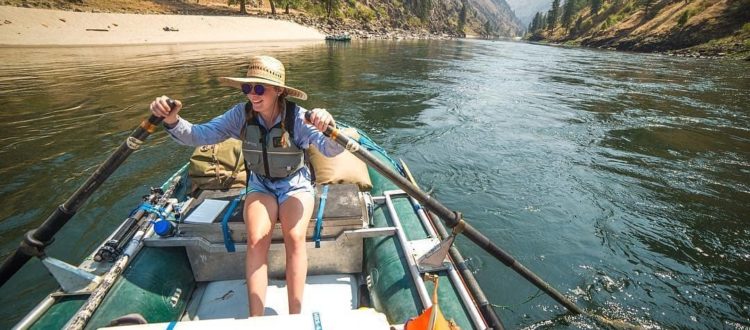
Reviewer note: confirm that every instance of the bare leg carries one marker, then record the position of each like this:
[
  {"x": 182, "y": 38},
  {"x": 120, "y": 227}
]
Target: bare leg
[
  {"x": 261, "y": 212},
  {"x": 294, "y": 215}
]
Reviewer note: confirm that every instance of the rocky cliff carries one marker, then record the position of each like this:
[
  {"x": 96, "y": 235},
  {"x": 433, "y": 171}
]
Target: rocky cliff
[
  {"x": 457, "y": 18},
  {"x": 684, "y": 27}
]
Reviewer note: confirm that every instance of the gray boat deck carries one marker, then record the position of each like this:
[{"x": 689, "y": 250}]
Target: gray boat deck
[
  {"x": 331, "y": 302},
  {"x": 228, "y": 299}
]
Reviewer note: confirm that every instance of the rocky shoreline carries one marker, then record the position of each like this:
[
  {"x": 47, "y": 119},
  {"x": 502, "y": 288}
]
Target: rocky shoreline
[
  {"x": 327, "y": 26},
  {"x": 733, "y": 51},
  {"x": 357, "y": 30}
]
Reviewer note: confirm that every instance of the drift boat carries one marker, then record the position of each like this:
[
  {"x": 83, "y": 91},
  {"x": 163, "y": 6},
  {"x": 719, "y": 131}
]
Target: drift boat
[
  {"x": 339, "y": 37},
  {"x": 377, "y": 259}
]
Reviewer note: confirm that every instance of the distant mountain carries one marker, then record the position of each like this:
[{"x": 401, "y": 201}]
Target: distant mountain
[
  {"x": 526, "y": 9},
  {"x": 485, "y": 18},
  {"x": 500, "y": 14}
]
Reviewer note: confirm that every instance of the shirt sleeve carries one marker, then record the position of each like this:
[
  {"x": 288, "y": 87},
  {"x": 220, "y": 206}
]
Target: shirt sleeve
[
  {"x": 306, "y": 134},
  {"x": 227, "y": 125}
]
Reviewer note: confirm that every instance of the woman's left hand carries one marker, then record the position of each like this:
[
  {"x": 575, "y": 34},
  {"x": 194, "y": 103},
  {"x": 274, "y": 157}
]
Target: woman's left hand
[{"x": 321, "y": 119}]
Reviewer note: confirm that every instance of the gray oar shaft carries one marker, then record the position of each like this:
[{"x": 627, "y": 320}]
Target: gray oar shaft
[{"x": 451, "y": 218}]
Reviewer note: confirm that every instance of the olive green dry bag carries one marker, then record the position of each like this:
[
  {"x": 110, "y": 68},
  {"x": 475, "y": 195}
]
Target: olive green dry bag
[{"x": 218, "y": 166}]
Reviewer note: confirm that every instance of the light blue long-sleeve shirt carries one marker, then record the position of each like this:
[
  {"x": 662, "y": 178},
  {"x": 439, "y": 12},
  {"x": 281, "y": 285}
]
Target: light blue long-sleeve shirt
[{"x": 230, "y": 124}]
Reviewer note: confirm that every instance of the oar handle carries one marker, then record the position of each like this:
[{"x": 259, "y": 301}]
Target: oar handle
[
  {"x": 36, "y": 240},
  {"x": 329, "y": 129}
]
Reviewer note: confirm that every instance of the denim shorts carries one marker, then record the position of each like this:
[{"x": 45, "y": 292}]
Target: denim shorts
[{"x": 281, "y": 188}]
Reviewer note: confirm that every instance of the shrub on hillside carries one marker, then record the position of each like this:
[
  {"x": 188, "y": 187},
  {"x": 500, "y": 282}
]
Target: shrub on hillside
[
  {"x": 586, "y": 25},
  {"x": 684, "y": 17},
  {"x": 364, "y": 13}
]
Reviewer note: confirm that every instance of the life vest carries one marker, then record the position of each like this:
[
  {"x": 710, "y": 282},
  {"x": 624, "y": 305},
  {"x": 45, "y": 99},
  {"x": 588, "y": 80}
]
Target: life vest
[{"x": 263, "y": 151}]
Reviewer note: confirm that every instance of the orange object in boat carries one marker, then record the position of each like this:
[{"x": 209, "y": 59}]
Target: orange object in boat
[{"x": 432, "y": 318}]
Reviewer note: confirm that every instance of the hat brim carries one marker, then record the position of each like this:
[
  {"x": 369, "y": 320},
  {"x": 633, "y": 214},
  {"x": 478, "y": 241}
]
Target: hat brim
[{"x": 237, "y": 83}]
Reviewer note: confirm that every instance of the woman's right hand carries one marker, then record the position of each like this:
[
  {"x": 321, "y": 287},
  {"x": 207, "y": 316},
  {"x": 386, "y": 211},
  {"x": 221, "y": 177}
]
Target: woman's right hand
[{"x": 160, "y": 108}]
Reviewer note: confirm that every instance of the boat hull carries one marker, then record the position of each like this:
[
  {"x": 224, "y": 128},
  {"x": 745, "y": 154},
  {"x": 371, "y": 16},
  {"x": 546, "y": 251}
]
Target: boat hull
[
  {"x": 393, "y": 292},
  {"x": 159, "y": 282}
]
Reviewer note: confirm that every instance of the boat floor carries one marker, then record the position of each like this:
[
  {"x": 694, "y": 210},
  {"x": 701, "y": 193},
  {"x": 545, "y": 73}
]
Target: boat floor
[
  {"x": 330, "y": 302},
  {"x": 228, "y": 299},
  {"x": 361, "y": 319}
]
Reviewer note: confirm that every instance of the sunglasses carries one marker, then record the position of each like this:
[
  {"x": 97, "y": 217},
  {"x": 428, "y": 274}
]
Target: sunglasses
[{"x": 259, "y": 89}]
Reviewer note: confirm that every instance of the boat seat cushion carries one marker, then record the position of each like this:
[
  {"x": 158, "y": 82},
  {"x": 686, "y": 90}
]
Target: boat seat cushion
[{"x": 343, "y": 168}]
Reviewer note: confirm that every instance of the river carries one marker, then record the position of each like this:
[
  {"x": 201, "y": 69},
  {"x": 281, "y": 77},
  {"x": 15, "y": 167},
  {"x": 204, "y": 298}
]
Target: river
[{"x": 622, "y": 179}]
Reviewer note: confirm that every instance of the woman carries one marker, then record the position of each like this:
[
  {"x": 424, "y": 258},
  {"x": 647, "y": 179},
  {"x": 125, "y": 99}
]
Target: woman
[{"x": 274, "y": 135}]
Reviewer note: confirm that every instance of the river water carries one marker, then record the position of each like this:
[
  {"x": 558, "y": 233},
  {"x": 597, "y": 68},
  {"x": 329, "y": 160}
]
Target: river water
[{"x": 622, "y": 179}]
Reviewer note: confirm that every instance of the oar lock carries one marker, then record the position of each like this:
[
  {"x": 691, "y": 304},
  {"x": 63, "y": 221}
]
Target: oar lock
[
  {"x": 33, "y": 247},
  {"x": 460, "y": 223}
]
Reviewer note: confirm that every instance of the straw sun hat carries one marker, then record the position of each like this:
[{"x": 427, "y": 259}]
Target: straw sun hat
[{"x": 265, "y": 70}]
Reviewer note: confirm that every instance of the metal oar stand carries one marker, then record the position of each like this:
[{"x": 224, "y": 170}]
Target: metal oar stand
[{"x": 428, "y": 255}]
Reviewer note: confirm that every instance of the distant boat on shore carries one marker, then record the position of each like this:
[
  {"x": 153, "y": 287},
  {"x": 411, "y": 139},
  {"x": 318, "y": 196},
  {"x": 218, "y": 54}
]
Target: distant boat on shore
[{"x": 339, "y": 37}]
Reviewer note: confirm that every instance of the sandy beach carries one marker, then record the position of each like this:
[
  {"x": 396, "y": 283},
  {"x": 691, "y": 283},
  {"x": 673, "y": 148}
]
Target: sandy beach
[{"x": 44, "y": 27}]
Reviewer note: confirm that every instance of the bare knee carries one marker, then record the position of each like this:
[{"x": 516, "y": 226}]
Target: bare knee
[
  {"x": 295, "y": 240},
  {"x": 260, "y": 216},
  {"x": 257, "y": 243}
]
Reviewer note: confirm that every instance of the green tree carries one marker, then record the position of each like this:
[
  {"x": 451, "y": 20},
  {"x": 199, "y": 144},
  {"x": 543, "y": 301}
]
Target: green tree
[
  {"x": 243, "y": 7},
  {"x": 683, "y": 18},
  {"x": 539, "y": 21},
  {"x": 577, "y": 28},
  {"x": 423, "y": 8},
  {"x": 288, "y": 3},
  {"x": 568, "y": 11},
  {"x": 596, "y": 5},
  {"x": 647, "y": 4},
  {"x": 553, "y": 15},
  {"x": 330, "y": 6},
  {"x": 462, "y": 16},
  {"x": 488, "y": 28}
]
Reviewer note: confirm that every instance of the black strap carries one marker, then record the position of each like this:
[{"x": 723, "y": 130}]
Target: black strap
[{"x": 289, "y": 118}]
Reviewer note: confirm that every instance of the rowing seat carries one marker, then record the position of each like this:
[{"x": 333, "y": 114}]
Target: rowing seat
[{"x": 200, "y": 232}]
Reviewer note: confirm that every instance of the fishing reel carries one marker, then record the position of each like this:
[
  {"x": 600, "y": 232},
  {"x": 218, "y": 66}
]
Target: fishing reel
[{"x": 108, "y": 252}]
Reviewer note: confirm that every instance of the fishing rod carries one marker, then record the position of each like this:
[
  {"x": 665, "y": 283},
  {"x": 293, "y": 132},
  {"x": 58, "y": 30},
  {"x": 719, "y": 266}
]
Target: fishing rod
[
  {"x": 112, "y": 249},
  {"x": 36, "y": 240},
  {"x": 163, "y": 208},
  {"x": 452, "y": 219}
]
